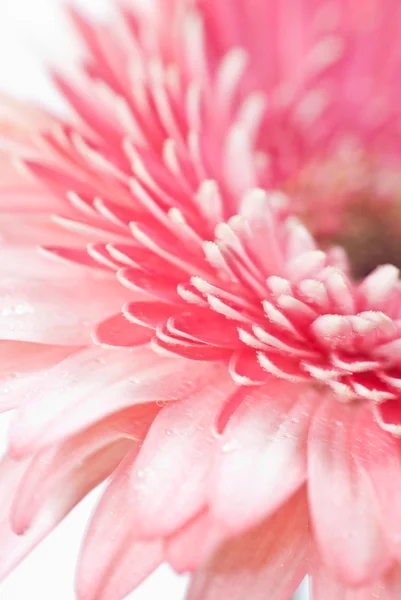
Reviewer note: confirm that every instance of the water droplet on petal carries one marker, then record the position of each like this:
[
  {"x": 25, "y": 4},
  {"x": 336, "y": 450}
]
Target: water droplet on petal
[{"x": 231, "y": 446}]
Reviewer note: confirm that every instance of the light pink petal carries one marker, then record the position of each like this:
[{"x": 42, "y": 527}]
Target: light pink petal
[
  {"x": 85, "y": 373},
  {"x": 78, "y": 255},
  {"x": 32, "y": 228},
  {"x": 113, "y": 561},
  {"x": 378, "y": 456},
  {"x": 325, "y": 586},
  {"x": 264, "y": 439},
  {"x": 25, "y": 117},
  {"x": 41, "y": 303},
  {"x": 22, "y": 364},
  {"x": 13, "y": 547},
  {"x": 56, "y": 506},
  {"x": 344, "y": 514},
  {"x": 268, "y": 561},
  {"x": 95, "y": 383},
  {"x": 189, "y": 548},
  {"x": 168, "y": 484},
  {"x": 57, "y": 468},
  {"x": 378, "y": 289}
]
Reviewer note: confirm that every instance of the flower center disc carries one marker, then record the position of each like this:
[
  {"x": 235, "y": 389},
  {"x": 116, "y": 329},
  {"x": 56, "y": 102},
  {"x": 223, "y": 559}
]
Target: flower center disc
[
  {"x": 371, "y": 237},
  {"x": 350, "y": 200}
]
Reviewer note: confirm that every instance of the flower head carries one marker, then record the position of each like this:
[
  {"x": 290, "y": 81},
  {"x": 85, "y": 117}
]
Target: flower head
[{"x": 209, "y": 320}]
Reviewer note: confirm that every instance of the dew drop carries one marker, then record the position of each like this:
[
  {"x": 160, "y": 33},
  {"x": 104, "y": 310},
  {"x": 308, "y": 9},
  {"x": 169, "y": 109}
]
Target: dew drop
[{"x": 231, "y": 446}]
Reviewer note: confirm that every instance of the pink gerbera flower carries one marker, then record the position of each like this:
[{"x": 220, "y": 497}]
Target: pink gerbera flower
[{"x": 207, "y": 321}]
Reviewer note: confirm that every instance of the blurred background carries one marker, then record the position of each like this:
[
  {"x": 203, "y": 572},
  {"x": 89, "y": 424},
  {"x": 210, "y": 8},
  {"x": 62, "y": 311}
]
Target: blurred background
[{"x": 31, "y": 33}]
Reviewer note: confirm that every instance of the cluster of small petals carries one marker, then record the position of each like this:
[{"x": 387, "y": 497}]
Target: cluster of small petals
[
  {"x": 208, "y": 335},
  {"x": 281, "y": 306},
  {"x": 299, "y": 314}
]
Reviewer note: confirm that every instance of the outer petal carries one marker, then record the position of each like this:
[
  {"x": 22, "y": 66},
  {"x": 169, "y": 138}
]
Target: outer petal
[
  {"x": 189, "y": 548},
  {"x": 21, "y": 121},
  {"x": 378, "y": 455},
  {"x": 95, "y": 383},
  {"x": 84, "y": 374},
  {"x": 169, "y": 483},
  {"x": 22, "y": 365},
  {"x": 326, "y": 587},
  {"x": 58, "y": 467},
  {"x": 268, "y": 561},
  {"x": 344, "y": 514},
  {"x": 113, "y": 561},
  {"x": 39, "y": 303},
  {"x": 32, "y": 229},
  {"x": 15, "y": 547},
  {"x": 264, "y": 439}
]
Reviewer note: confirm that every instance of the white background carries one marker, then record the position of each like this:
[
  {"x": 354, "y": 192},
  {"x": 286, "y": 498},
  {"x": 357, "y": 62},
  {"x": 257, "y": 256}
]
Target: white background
[{"x": 30, "y": 32}]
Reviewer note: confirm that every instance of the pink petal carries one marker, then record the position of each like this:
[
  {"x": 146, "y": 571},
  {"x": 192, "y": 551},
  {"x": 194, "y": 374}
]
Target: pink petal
[
  {"x": 268, "y": 561},
  {"x": 192, "y": 351},
  {"x": 156, "y": 286},
  {"x": 344, "y": 514},
  {"x": 15, "y": 547},
  {"x": 94, "y": 451},
  {"x": 149, "y": 314},
  {"x": 119, "y": 332},
  {"x": 333, "y": 331},
  {"x": 178, "y": 448},
  {"x": 340, "y": 292},
  {"x": 205, "y": 327},
  {"x": 188, "y": 548},
  {"x": 33, "y": 228},
  {"x": 264, "y": 438},
  {"x": 76, "y": 255},
  {"x": 305, "y": 265},
  {"x": 244, "y": 368},
  {"x": 113, "y": 562},
  {"x": 388, "y": 415},
  {"x": 95, "y": 383},
  {"x": 378, "y": 289},
  {"x": 92, "y": 113},
  {"x": 54, "y": 316},
  {"x": 22, "y": 364},
  {"x": 282, "y": 367},
  {"x": 378, "y": 455},
  {"x": 326, "y": 587},
  {"x": 20, "y": 120}
]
